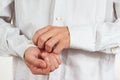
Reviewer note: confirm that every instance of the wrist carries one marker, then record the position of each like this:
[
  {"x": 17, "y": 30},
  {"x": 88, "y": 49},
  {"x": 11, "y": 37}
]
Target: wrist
[{"x": 29, "y": 47}]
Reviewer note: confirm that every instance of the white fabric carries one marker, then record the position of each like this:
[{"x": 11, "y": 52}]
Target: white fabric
[
  {"x": 94, "y": 31},
  {"x": 6, "y": 68}
]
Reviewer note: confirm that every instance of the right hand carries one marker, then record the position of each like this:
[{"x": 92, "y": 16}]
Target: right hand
[
  {"x": 52, "y": 38},
  {"x": 39, "y": 63}
]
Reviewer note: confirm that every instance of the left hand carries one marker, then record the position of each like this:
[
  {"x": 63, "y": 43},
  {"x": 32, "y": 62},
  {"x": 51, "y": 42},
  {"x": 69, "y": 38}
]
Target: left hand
[
  {"x": 52, "y": 39},
  {"x": 41, "y": 62}
]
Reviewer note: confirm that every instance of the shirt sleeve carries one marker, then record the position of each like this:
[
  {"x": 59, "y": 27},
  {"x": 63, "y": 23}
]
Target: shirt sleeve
[
  {"x": 11, "y": 42},
  {"x": 103, "y": 37}
]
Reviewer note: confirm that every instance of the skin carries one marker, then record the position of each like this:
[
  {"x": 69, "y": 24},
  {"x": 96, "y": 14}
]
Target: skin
[
  {"x": 41, "y": 62},
  {"x": 52, "y": 39}
]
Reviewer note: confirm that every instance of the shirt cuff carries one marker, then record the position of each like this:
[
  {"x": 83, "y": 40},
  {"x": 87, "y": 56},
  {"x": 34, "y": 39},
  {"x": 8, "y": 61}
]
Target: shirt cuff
[
  {"x": 82, "y": 37},
  {"x": 24, "y": 48}
]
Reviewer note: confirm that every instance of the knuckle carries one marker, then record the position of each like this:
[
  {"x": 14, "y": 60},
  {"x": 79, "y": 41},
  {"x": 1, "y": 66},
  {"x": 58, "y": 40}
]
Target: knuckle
[
  {"x": 41, "y": 42},
  {"x": 48, "y": 45},
  {"x": 41, "y": 39}
]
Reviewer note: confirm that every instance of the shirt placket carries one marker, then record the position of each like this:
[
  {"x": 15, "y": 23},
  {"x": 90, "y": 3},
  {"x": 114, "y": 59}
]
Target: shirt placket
[
  {"x": 58, "y": 14},
  {"x": 58, "y": 20}
]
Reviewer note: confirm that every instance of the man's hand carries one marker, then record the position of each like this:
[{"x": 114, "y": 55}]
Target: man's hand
[
  {"x": 34, "y": 62},
  {"x": 53, "y": 60},
  {"x": 52, "y": 39},
  {"x": 40, "y": 62}
]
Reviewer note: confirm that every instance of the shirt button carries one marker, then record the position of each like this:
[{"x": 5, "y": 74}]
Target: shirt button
[
  {"x": 113, "y": 50},
  {"x": 58, "y": 18}
]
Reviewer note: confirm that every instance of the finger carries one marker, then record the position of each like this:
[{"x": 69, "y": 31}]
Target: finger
[
  {"x": 45, "y": 37},
  {"x": 38, "y": 33},
  {"x": 51, "y": 43},
  {"x": 51, "y": 60},
  {"x": 44, "y": 71},
  {"x": 36, "y": 70},
  {"x": 54, "y": 63},
  {"x": 37, "y": 62},
  {"x": 39, "y": 71},
  {"x": 44, "y": 55},
  {"x": 31, "y": 67},
  {"x": 58, "y": 58},
  {"x": 60, "y": 46}
]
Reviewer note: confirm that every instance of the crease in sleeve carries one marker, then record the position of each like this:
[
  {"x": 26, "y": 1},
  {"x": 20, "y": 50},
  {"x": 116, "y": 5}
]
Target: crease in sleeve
[
  {"x": 14, "y": 43},
  {"x": 4, "y": 3}
]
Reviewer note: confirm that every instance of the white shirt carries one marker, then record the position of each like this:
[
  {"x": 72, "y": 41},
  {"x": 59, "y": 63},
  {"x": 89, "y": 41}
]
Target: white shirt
[{"x": 94, "y": 27}]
